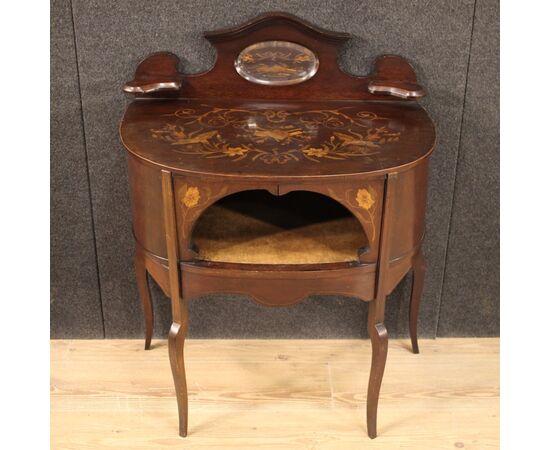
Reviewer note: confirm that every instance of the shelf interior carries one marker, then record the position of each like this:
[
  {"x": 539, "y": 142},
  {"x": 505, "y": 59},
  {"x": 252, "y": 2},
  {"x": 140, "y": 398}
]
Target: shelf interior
[{"x": 256, "y": 227}]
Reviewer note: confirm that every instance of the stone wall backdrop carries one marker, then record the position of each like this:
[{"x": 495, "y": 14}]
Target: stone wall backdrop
[{"x": 453, "y": 44}]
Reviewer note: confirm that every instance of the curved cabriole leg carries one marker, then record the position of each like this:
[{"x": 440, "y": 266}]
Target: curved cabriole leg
[
  {"x": 419, "y": 270},
  {"x": 145, "y": 295},
  {"x": 176, "y": 339},
  {"x": 379, "y": 341},
  {"x": 180, "y": 316},
  {"x": 377, "y": 330}
]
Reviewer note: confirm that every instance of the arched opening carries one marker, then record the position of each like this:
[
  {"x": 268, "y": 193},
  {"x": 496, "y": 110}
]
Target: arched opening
[{"x": 256, "y": 227}]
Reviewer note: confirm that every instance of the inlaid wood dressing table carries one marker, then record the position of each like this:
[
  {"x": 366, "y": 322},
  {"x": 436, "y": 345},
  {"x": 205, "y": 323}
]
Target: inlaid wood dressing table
[{"x": 277, "y": 175}]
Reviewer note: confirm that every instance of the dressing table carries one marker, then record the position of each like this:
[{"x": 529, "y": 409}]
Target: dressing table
[{"x": 277, "y": 175}]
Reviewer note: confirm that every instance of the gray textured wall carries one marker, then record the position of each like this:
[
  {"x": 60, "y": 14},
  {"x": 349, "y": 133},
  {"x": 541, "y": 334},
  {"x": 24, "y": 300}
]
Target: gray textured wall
[{"x": 95, "y": 47}]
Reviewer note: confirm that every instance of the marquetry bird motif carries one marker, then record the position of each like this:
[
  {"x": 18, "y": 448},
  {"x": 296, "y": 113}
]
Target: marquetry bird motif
[
  {"x": 202, "y": 138},
  {"x": 355, "y": 140},
  {"x": 278, "y": 135}
]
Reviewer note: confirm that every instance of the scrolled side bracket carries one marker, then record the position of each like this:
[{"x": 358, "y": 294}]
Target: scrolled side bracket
[
  {"x": 158, "y": 73},
  {"x": 394, "y": 76}
]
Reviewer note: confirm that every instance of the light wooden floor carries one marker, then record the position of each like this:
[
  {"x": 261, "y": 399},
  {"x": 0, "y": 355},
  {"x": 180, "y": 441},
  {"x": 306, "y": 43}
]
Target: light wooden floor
[{"x": 277, "y": 394}]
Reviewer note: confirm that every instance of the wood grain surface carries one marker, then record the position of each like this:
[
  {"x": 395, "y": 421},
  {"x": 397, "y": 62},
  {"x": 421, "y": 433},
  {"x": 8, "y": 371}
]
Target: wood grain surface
[{"x": 280, "y": 394}]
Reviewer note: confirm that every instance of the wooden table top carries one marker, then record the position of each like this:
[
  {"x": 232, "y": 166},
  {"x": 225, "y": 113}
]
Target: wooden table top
[{"x": 266, "y": 138}]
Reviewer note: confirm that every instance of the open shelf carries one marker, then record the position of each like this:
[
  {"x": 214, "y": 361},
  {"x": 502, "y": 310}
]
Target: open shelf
[{"x": 255, "y": 227}]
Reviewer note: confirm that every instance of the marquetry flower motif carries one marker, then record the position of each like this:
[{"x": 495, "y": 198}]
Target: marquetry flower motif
[
  {"x": 235, "y": 151},
  {"x": 191, "y": 197},
  {"x": 364, "y": 199},
  {"x": 319, "y": 152}
]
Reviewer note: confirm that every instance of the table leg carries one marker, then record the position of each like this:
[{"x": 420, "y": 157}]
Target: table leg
[
  {"x": 377, "y": 330},
  {"x": 176, "y": 339},
  {"x": 145, "y": 295},
  {"x": 379, "y": 342},
  {"x": 180, "y": 314},
  {"x": 419, "y": 270}
]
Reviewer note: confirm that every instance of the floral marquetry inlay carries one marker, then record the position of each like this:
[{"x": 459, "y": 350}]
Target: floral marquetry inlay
[
  {"x": 275, "y": 136},
  {"x": 364, "y": 199},
  {"x": 191, "y": 197},
  {"x": 192, "y": 201}
]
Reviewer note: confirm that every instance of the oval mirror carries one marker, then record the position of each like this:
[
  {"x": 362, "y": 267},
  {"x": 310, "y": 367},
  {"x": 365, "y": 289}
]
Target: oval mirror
[{"x": 276, "y": 63}]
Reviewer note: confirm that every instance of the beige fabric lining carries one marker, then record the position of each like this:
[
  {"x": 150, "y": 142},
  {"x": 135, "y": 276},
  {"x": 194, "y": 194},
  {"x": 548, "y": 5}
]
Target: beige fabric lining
[{"x": 226, "y": 235}]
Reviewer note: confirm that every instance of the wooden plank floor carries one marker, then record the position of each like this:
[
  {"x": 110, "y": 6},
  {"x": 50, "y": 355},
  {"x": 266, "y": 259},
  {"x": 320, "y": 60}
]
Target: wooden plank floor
[{"x": 276, "y": 394}]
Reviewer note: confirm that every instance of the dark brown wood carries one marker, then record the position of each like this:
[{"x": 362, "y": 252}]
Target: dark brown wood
[
  {"x": 418, "y": 270},
  {"x": 178, "y": 330},
  {"x": 145, "y": 295},
  {"x": 375, "y": 322},
  {"x": 300, "y": 140},
  {"x": 397, "y": 89},
  {"x": 195, "y": 141},
  {"x": 395, "y": 77},
  {"x": 344, "y": 192},
  {"x": 157, "y": 73},
  {"x": 171, "y": 240},
  {"x": 279, "y": 287},
  {"x": 222, "y": 80}
]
